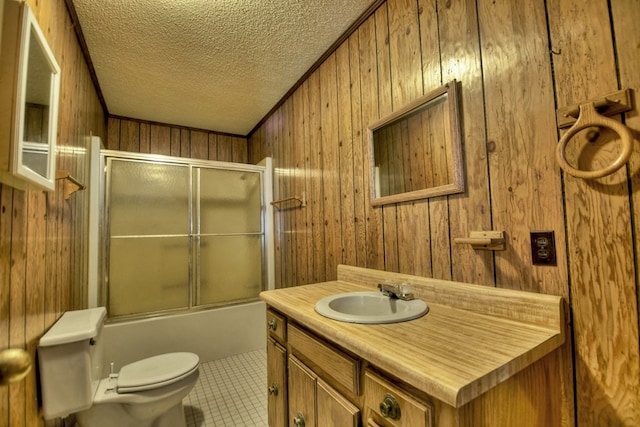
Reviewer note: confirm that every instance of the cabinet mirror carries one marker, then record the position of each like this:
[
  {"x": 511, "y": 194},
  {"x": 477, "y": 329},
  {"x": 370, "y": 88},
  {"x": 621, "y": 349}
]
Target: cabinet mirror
[
  {"x": 29, "y": 80},
  {"x": 415, "y": 153}
]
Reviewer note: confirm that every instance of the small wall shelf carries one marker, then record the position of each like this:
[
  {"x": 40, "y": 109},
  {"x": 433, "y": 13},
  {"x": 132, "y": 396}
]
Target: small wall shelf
[
  {"x": 484, "y": 240},
  {"x": 71, "y": 185}
]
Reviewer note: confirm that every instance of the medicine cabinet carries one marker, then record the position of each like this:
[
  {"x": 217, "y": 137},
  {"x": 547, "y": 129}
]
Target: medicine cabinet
[{"x": 29, "y": 88}]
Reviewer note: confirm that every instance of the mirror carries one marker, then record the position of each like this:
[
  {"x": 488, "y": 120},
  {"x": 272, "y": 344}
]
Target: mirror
[
  {"x": 415, "y": 152},
  {"x": 30, "y": 81}
]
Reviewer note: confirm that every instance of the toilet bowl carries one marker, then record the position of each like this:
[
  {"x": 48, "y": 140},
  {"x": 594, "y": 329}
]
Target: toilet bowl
[{"x": 146, "y": 393}]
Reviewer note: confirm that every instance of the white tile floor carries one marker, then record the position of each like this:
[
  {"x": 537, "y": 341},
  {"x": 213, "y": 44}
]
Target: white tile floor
[{"x": 230, "y": 392}]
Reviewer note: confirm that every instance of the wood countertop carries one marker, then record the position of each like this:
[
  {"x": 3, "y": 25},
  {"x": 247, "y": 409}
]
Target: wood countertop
[{"x": 453, "y": 354}]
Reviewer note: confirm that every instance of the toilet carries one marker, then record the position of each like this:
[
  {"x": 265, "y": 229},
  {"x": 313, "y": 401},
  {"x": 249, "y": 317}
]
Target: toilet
[{"x": 146, "y": 393}]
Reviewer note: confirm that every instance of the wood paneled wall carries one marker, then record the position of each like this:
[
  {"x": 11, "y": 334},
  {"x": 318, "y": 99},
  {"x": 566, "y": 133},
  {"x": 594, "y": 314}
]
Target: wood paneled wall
[
  {"x": 140, "y": 136},
  {"x": 42, "y": 235},
  {"x": 517, "y": 62}
]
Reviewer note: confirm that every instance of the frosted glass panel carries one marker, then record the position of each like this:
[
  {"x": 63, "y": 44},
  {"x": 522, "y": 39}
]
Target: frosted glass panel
[
  {"x": 148, "y": 274},
  {"x": 149, "y": 198},
  {"x": 230, "y": 201},
  {"x": 230, "y": 268}
]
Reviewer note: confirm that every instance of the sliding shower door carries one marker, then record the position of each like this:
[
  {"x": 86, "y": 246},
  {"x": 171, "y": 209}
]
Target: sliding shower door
[
  {"x": 150, "y": 237},
  {"x": 182, "y": 235},
  {"x": 230, "y": 237}
]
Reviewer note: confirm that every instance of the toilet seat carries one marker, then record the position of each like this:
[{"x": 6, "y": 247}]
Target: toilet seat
[{"x": 155, "y": 372}]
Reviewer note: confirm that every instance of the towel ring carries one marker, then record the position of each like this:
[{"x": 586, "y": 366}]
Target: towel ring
[{"x": 589, "y": 117}]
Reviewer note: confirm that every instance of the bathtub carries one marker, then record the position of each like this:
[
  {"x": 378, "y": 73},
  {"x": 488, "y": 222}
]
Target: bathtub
[{"x": 212, "y": 334}]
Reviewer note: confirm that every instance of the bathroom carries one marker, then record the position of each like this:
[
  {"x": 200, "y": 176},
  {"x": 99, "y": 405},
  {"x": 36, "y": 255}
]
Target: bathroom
[{"x": 516, "y": 65}]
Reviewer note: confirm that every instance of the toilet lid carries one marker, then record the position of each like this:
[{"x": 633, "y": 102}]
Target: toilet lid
[{"x": 156, "y": 371}]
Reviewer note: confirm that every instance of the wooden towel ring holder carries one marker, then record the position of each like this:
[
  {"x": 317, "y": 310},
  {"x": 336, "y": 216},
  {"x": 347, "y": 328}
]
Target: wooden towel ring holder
[{"x": 590, "y": 117}]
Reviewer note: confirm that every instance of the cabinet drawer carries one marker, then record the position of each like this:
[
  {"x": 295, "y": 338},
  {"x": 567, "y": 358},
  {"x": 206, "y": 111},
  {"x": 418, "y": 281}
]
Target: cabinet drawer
[
  {"x": 276, "y": 326},
  {"x": 335, "y": 363},
  {"x": 387, "y": 405}
]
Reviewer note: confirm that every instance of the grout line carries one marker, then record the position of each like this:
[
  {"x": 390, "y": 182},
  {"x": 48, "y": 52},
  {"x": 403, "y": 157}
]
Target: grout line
[{"x": 230, "y": 392}]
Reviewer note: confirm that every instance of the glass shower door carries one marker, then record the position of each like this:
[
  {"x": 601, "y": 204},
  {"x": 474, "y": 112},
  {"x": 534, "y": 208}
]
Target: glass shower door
[
  {"x": 149, "y": 237},
  {"x": 229, "y": 235}
]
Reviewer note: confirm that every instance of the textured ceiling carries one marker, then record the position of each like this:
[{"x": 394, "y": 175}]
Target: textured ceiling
[{"x": 211, "y": 64}]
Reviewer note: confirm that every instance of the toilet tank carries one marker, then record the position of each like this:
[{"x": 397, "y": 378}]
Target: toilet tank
[{"x": 70, "y": 362}]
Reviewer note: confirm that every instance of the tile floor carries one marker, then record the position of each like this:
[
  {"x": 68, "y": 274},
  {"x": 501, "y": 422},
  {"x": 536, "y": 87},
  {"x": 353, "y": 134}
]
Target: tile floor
[{"x": 230, "y": 392}]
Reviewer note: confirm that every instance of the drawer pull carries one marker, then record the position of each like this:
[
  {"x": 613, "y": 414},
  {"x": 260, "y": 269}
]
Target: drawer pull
[
  {"x": 273, "y": 324},
  {"x": 298, "y": 420},
  {"x": 389, "y": 407},
  {"x": 273, "y": 389}
]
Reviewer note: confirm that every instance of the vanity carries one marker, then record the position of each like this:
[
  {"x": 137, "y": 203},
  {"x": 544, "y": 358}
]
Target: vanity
[{"x": 481, "y": 356}]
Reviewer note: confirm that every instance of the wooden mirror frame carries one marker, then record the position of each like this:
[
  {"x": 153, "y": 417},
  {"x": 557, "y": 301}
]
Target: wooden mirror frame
[
  {"x": 456, "y": 181},
  {"x": 21, "y": 32}
]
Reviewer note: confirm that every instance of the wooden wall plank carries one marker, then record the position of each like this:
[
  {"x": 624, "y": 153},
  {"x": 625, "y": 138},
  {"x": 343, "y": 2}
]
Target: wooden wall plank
[
  {"x": 308, "y": 214},
  {"x": 6, "y": 217},
  {"x": 175, "y": 142},
  {"x": 113, "y": 139},
  {"x": 359, "y": 142},
  {"x": 459, "y": 51},
  {"x": 300, "y": 138},
  {"x": 407, "y": 85},
  {"x": 270, "y": 132},
  {"x": 18, "y": 303},
  {"x": 145, "y": 138},
  {"x": 369, "y": 104},
  {"x": 626, "y": 14},
  {"x": 316, "y": 194},
  {"x": 385, "y": 107},
  {"x": 199, "y": 145},
  {"x": 599, "y": 229},
  {"x": 160, "y": 140},
  {"x": 284, "y": 126},
  {"x": 130, "y": 136},
  {"x": 35, "y": 280},
  {"x": 185, "y": 143},
  {"x": 346, "y": 145},
  {"x": 240, "y": 150},
  {"x": 330, "y": 166},
  {"x": 225, "y": 150},
  {"x": 213, "y": 146}
]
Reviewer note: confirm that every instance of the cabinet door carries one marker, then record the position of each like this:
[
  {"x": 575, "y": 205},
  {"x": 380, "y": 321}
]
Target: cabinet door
[
  {"x": 277, "y": 383},
  {"x": 302, "y": 395},
  {"x": 333, "y": 409}
]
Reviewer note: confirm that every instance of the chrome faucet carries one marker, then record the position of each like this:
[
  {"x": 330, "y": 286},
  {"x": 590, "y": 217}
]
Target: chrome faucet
[{"x": 395, "y": 291}]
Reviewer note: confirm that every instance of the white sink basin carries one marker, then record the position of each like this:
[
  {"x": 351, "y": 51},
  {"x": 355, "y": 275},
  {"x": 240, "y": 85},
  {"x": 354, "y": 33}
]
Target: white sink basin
[{"x": 370, "y": 307}]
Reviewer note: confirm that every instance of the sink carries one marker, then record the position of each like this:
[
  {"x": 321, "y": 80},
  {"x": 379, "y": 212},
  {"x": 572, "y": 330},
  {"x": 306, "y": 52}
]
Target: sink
[{"x": 370, "y": 307}]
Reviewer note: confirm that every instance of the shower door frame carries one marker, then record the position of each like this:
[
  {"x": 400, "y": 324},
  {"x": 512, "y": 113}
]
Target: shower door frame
[{"x": 100, "y": 295}]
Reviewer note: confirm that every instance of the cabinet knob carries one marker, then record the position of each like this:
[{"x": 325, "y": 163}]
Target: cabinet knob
[
  {"x": 273, "y": 389},
  {"x": 298, "y": 420},
  {"x": 389, "y": 407},
  {"x": 272, "y": 324}
]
